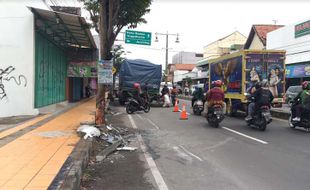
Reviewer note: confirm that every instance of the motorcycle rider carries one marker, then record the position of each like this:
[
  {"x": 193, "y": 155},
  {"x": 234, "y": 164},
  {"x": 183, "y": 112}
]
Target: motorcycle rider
[
  {"x": 215, "y": 96},
  {"x": 304, "y": 103},
  {"x": 165, "y": 90},
  {"x": 261, "y": 97},
  {"x": 174, "y": 93},
  {"x": 197, "y": 95},
  {"x": 137, "y": 95}
]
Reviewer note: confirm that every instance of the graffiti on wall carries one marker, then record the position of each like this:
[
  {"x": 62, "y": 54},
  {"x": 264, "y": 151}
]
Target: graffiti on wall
[{"x": 7, "y": 75}]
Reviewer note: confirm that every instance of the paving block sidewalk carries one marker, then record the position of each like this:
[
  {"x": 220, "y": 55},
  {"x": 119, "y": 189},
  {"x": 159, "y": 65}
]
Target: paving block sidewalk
[{"x": 32, "y": 160}]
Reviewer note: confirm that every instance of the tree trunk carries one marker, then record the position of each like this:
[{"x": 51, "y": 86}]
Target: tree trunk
[
  {"x": 105, "y": 55},
  {"x": 113, "y": 87}
]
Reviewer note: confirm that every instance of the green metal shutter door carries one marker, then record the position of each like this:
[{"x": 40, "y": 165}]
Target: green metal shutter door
[{"x": 50, "y": 76}]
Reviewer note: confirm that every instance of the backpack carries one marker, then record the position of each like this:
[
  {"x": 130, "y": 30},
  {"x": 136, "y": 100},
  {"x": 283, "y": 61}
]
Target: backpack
[
  {"x": 306, "y": 102},
  {"x": 265, "y": 97}
]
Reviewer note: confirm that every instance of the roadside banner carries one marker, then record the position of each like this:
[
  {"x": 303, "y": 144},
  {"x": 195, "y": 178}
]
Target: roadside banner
[
  {"x": 82, "y": 69},
  {"x": 105, "y": 75}
]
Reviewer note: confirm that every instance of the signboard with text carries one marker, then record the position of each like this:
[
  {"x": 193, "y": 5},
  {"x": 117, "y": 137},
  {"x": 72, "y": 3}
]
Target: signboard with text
[
  {"x": 137, "y": 37},
  {"x": 105, "y": 75},
  {"x": 302, "y": 29},
  {"x": 82, "y": 69}
]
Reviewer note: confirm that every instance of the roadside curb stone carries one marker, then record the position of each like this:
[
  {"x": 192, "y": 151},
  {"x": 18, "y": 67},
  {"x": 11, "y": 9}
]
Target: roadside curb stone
[{"x": 69, "y": 176}]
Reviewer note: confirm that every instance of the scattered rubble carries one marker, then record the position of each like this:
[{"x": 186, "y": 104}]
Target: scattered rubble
[
  {"x": 116, "y": 137},
  {"x": 127, "y": 148},
  {"x": 90, "y": 131}
]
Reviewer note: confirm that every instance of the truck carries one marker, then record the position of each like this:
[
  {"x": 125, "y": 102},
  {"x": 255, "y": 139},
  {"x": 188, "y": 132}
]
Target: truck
[
  {"x": 240, "y": 70},
  {"x": 142, "y": 72}
]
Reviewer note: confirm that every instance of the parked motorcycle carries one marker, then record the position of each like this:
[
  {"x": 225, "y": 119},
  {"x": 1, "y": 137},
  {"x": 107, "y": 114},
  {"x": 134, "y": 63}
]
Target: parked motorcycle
[
  {"x": 215, "y": 115},
  {"x": 133, "y": 106},
  {"x": 261, "y": 118},
  {"x": 198, "y": 107},
  {"x": 304, "y": 120}
]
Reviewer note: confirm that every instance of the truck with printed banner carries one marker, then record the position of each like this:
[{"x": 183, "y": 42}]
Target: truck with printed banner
[
  {"x": 142, "y": 72},
  {"x": 239, "y": 71}
]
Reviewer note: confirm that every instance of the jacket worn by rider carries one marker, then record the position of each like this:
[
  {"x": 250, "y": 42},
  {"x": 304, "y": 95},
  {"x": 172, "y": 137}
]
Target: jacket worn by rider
[
  {"x": 198, "y": 95},
  {"x": 262, "y": 97},
  {"x": 215, "y": 95},
  {"x": 305, "y": 99}
]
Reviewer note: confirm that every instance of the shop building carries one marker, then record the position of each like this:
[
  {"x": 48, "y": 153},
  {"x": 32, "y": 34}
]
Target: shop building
[
  {"x": 37, "y": 45},
  {"x": 295, "y": 40}
]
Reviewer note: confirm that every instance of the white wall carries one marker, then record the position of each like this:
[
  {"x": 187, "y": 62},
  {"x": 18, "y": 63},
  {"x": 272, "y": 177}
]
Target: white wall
[
  {"x": 17, "y": 51},
  {"x": 178, "y": 75},
  {"x": 185, "y": 57},
  {"x": 284, "y": 39},
  {"x": 256, "y": 43}
]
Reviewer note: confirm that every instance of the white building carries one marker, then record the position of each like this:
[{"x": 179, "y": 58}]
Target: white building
[
  {"x": 34, "y": 54},
  {"x": 295, "y": 39},
  {"x": 186, "y": 57}
]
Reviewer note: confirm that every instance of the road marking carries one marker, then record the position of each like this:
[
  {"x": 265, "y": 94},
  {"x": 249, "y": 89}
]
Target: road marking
[
  {"x": 150, "y": 121},
  {"x": 139, "y": 116},
  {"x": 152, "y": 165},
  {"x": 244, "y": 135},
  {"x": 193, "y": 155}
]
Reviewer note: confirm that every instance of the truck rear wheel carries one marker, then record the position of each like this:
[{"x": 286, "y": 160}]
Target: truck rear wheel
[{"x": 229, "y": 109}]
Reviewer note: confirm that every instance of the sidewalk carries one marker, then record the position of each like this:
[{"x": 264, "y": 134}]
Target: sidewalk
[{"x": 32, "y": 160}]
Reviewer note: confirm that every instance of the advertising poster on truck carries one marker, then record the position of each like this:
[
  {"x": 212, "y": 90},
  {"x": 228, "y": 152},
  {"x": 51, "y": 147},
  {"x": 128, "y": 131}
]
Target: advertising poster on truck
[
  {"x": 230, "y": 72},
  {"x": 268, "y": 67}
]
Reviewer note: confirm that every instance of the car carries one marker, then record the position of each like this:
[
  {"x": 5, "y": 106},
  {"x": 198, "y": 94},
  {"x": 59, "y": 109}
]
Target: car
[{"x": 291, "y": 93}]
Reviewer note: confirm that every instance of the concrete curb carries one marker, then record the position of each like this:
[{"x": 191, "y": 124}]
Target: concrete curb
[
  {"x": 70, "y": 175},
  {"x": 279, "y": 114}
]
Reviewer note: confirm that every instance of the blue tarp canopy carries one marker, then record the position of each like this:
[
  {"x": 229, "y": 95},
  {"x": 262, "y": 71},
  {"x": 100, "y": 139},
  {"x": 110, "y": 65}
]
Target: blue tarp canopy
[{"x": 140, "y": 71}]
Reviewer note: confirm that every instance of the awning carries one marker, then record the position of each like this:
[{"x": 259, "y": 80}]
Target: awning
[
  {"x": 202, "y": 63},
  {"x": 298, "y": 71},
  {"x": 66, "y": 30}
]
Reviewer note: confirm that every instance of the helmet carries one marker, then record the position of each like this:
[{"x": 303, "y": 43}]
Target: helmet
[
  {"x": 218, "y": 83},
  {"x": 305, "y": 85},
  {"x": 196, "y": 88},
  {"x": 258, "y": 85},
  {"x": 136, "y": 85},
  {"x": 264, "y": 83}
]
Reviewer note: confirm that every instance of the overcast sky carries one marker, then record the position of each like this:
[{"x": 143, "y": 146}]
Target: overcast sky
[{"x": 202, "y": 22}]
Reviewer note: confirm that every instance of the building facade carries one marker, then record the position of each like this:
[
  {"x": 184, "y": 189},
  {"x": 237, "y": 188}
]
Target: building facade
[
  {"x": 258, "y": 36},
  {"x": 36, "y": 47},
  {"x": 224, "y": 45},
  {"x": 186, "y": 57},
  {"x": 295, "y": 40}
]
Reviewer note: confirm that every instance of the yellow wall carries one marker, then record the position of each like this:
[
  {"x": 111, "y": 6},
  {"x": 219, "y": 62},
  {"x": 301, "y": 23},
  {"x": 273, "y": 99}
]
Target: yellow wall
[
  {"x": 219, "y": 47},
  {"x": 256, "y": 43}
]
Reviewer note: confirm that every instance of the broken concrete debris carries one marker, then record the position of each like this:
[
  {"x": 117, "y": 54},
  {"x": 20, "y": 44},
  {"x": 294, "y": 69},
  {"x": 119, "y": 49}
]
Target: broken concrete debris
[
  {"x": 117, "y": 137},
  {"x": 90, "y": 131},
  {"x": 127, "y": 148}
]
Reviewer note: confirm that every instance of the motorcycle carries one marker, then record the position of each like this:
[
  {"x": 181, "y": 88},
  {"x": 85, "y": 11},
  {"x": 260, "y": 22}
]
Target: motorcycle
[
  {"x": 198, "y": 107},
  {"x": 215, "y": 115},
  {"x": 133, "y": 106},
  {"x": 261, "y": 118},
  {"x": 304, "y": 120}
]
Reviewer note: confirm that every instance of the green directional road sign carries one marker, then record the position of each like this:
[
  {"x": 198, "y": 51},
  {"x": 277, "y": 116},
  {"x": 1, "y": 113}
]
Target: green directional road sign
[{"x": 137, "y": 37}]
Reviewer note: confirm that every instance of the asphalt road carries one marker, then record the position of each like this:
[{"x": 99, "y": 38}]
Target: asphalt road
[{"x": 192, "y": 155}]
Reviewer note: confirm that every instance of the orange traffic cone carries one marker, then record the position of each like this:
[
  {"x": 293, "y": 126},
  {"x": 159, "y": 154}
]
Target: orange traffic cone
[
  {"x": 176, "y": 106},
  {"x": 183, "y": 113}
]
